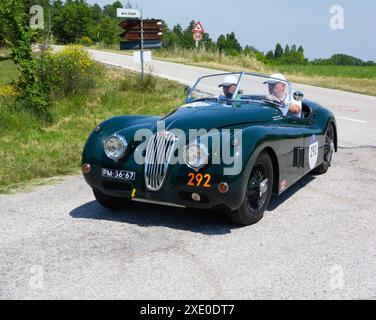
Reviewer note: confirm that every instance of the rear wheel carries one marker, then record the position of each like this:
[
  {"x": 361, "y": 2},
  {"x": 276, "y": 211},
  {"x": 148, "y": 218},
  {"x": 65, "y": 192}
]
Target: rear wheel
[
  {"x": 109, "y": 202},
  {"x": 328, "y": 152},
  {"x": 259, "y": 191}
]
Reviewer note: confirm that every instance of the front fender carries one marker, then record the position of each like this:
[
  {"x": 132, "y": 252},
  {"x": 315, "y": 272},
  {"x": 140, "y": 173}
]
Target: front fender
[{"x": 127, "y": 124}]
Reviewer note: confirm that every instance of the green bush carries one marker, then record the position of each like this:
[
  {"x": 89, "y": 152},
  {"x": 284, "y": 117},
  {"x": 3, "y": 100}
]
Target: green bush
[
  {"x": 71, "y": 70},
  {"x": 86, "y": 41}
]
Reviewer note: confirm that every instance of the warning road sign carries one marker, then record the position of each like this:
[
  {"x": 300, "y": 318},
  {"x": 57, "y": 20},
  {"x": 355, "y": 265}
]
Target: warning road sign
[{"x": 198, "y": 28}]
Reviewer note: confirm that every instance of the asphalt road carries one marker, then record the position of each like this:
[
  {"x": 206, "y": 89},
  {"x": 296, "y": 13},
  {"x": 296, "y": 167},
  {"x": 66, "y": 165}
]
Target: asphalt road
[{"x": 316, "y": 241}]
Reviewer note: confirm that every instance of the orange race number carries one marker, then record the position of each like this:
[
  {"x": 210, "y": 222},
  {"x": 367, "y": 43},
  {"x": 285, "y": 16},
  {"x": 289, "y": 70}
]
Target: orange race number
[{"x": 198, "y": 180}]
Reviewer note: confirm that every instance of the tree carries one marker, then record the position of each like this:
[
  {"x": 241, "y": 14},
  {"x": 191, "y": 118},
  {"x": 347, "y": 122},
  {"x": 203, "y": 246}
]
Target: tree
[
  {"x": 178, "y": 30},
  {"x": 233, "y": 43},
  {"x": 346, "y": 60},
  {"x": 221, "y": 43},
  {"x": 287, "y": 49},
  {"x": 208, "y": 42},
  {"x": 96, "y": 13},
  {"x": 2, "y": 33},
  {"x": 74, "y": 21},
  {"x": 187, "y": 41},
  {"x": 110, "y": 9},
  {"x": 34, "y": 95},
  {"x": 250, "y": 50},
  {"x": 229, "y": 44},
  {"x": 270, "y": 55},
  {"x": 108, "y": 32},
  {"x": 278, "y": 52}
]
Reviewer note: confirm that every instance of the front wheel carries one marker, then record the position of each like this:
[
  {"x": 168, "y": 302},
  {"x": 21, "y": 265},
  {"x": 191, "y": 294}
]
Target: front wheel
[
  {"x": 109, "y": 202},
  {"x": 259, "y": 192}
]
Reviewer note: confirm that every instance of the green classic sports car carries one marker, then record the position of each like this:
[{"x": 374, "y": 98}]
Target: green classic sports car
[{"x": 239, "y": 139}]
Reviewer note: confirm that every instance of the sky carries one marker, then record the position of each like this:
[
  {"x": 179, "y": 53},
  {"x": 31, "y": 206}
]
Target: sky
[{"x": 264, "y": 23}]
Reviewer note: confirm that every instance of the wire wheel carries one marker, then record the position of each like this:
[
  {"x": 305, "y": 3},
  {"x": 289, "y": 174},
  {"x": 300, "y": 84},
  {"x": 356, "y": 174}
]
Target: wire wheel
[
  {"x": 329, "y": 145},
  {"x": 257, "y": 194},
  {"x": 257, "y": 188}
]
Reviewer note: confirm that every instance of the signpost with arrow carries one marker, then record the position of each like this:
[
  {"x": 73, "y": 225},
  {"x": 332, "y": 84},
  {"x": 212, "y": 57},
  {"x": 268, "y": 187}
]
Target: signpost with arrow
[{"x": 139, "y": 33}]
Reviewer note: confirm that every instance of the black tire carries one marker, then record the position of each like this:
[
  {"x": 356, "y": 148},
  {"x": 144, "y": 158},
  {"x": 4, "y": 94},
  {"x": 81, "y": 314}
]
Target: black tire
[
  {"x": 112, "y": 203},
  {"x": 328, "y": 152},
  {"x": 256, "y": 200}
]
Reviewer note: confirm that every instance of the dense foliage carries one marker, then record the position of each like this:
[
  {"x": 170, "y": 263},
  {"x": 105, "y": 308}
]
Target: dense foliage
[{"x": 33, "y": 94}]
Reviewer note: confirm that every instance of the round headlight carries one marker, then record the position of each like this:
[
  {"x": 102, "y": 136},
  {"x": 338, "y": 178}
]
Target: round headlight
[
  {"x": 196, "y": 156},
  {"x": 115, "y": 147}
]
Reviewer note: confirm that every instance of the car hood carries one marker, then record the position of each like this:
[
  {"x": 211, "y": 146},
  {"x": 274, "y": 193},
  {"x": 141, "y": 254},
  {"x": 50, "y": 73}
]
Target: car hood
[
  {"x": 218, "y": 116},
  {"x": 207, "y": 117}
]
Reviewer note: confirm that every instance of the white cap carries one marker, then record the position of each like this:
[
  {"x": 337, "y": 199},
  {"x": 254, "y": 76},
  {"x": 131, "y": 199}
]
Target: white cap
[
  {"x": 228, "y": 81},
  {"x": 276, "y": 78}
]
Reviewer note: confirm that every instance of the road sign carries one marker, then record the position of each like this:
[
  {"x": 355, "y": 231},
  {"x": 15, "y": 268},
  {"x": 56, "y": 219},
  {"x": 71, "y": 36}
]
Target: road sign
[
  {"x": 152, "y": 30},
  {"x": 198, "y": 28},
  {"x": 198, "y": 37},
  {"x": 136, "y": 24},
  {"x": 135, "y": 36},
  {"x": 135, "y": 45},
  {"x": 128, "y": 13},
  {"x": 139, "y": 33}
]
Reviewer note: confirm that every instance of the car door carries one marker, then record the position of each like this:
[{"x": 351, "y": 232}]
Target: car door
[
  {"x": 307, "y": 156},
  {"x": 292, "y": 157}
]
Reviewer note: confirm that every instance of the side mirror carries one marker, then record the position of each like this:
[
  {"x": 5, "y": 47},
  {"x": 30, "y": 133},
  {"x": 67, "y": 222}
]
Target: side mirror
[
  {"x": 298, "y": 95},
  {"x": 187, "y": 90}
]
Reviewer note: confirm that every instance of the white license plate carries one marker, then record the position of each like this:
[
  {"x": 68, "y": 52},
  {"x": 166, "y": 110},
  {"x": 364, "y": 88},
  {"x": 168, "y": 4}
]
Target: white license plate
[{"x": 119, "y": 174}]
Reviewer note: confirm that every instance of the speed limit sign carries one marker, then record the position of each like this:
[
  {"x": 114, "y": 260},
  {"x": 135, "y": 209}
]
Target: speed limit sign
[{"x": 197, "y": 36}]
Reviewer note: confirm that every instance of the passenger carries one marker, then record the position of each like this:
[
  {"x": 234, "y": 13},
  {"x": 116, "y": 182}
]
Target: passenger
[{"x": 229, "y": 86}]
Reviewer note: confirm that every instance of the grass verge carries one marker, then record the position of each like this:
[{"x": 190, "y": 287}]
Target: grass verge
[{"x": 31, "y": 150}]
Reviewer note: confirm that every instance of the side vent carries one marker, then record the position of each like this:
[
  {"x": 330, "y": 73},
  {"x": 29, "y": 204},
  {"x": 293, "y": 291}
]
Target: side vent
[{"x": 299, "y": 157}]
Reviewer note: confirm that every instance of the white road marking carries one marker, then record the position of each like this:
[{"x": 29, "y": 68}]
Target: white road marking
[{"x": 352, "y": 120}]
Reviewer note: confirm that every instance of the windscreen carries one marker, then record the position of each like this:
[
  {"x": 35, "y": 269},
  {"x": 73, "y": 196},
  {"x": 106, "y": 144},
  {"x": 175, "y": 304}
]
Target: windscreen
[
  {"x": 237, "y": 86},
  {"x": 215, "y": 87}
]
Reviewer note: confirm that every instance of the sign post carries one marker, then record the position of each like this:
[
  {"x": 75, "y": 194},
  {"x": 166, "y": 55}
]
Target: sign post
[
  {"x": 198, "y": 31},
  {"x": 135, "y": 14},
  {"x": 142, "y": 47},
  {"x": 139, "y": 33}
]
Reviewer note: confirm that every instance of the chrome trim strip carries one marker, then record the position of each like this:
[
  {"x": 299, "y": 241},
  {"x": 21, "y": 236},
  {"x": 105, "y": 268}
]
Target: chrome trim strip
[{"x": 159, "y": 203}]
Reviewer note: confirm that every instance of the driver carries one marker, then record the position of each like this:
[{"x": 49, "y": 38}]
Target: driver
[
  {"x": 277, "y": 85},
  {"x": 229, "y": 87}
]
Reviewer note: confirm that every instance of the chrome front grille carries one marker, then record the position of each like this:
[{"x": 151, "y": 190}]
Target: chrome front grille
[{"x": 158, "y": 155}]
